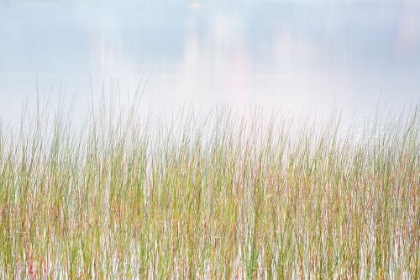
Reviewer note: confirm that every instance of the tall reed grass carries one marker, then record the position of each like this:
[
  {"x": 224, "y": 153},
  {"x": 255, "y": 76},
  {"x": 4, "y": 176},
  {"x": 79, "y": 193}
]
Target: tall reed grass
[{"x": 209, "y": 196}]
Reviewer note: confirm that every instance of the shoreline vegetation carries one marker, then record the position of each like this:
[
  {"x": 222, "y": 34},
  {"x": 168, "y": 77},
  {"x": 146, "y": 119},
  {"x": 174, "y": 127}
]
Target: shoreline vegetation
[{"x": 213, "y": 196}]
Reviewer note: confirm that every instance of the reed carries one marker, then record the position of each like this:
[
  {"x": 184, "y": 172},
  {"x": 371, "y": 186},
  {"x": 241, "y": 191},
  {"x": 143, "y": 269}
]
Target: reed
[{"x": 209, "y": 196}]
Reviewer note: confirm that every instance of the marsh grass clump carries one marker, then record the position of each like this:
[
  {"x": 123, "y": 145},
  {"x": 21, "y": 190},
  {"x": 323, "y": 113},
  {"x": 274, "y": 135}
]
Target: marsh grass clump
[{"x": 214, "y": 196}]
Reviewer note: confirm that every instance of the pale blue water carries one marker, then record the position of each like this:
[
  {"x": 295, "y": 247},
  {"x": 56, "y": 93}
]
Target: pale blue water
[{"x": 310, "y": 56}]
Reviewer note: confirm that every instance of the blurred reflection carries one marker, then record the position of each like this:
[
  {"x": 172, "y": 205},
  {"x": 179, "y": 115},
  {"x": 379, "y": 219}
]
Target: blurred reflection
[{"x": 312, "y": 55}]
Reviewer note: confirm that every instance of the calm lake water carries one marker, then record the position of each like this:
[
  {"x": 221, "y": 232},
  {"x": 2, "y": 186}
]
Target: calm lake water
[{"x": 311, "y": 56}]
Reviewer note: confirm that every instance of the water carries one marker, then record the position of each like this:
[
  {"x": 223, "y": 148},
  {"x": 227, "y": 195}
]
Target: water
[{"x": 294, "y": 57}]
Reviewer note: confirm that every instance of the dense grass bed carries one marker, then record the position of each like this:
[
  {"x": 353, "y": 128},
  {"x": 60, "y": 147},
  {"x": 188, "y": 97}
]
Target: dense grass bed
[{"x": 214, "y": 196}]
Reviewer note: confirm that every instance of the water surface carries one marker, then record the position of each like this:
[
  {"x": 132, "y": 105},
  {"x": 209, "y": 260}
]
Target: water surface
[{"x": 310, "y": 56}]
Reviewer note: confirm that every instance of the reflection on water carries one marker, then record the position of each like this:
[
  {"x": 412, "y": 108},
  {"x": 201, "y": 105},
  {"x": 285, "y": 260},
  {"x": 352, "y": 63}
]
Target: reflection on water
[{"x": 291, "y": 56}]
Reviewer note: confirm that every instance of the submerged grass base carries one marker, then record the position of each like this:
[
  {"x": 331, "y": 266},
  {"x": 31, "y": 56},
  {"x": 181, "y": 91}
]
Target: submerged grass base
[{"x": 215, "y": 197}]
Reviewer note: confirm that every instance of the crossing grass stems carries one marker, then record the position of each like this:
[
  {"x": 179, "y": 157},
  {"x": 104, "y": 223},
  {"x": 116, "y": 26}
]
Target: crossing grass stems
[{"x": 210, "y": 196}]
